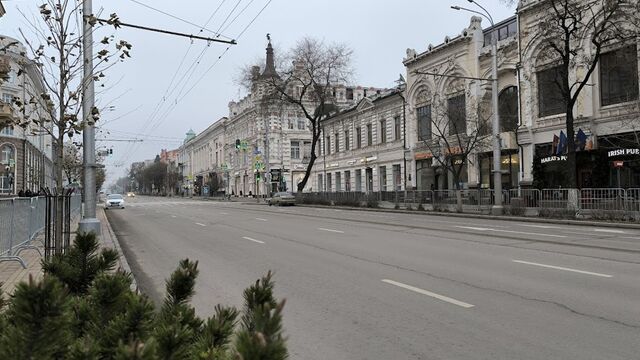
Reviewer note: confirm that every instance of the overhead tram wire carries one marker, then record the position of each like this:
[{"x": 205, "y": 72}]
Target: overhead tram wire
[
  {"x": 179, "y": 97},
  {"x": 196, "y": 62},
  {"x": 226, "y": 50},
  {"x": 183, "y": 20},
  {"x": 184, "y": 79}
]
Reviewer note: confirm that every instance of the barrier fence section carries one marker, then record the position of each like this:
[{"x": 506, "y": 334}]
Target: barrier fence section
[
  {"x": 605, "y": 203},
  {"x": 22, "y": 220}
]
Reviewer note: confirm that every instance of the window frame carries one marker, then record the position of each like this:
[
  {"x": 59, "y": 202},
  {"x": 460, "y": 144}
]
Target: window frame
[
  {"x": 549, "y": 109},
  {"x": 295, "y": 149},
  {"x": 457, "y": 126},
  {"x": 424, "y": 112},
  {"x": 622, "y": 78}
]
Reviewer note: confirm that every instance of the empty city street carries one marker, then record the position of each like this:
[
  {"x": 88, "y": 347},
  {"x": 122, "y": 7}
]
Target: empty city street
[{"x": 384, "y": 285}]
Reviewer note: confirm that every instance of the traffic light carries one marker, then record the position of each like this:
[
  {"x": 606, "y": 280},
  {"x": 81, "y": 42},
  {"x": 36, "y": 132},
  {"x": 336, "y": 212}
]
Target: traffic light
[{"x": 237, "y": 143}]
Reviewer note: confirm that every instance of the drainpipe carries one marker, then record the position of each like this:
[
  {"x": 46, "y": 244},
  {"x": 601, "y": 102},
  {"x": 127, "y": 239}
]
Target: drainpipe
[{"x": 518, "y": 66}]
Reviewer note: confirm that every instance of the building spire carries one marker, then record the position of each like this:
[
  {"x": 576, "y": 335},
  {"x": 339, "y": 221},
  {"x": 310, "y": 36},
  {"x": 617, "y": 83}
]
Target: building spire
[{"x": 270, "y": 67}]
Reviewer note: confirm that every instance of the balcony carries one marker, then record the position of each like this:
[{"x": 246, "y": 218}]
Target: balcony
[{"x": 6, "y": 114}]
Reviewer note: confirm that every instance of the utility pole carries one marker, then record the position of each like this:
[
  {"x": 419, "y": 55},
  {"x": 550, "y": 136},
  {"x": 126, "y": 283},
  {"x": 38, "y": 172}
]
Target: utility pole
[
  {"x": 89, "y": 222},
  {"x": 497, "y": 208}
]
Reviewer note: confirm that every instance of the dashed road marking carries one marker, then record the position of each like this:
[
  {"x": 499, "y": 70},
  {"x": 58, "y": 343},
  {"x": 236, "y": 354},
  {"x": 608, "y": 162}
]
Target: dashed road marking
[
  {"x": 429, "y": 293},
  {"x": 201, "y": 224},
  {"x": 609, "y": 231},
  {"x": 261, "y": 219},
  {"x": 254, "y": 240},
  {"x": 510, "y": 231},
  {"x": 562, "y": 268},
  {"x": 332, "y": 230}
]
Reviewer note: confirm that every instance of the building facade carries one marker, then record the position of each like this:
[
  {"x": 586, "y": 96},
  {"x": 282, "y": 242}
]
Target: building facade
[
  {"x": 25, "y": 152},
  {"x": 607, "y": 112},
  {"x": 263, "y": 146},
  {"x": 449, "y": 109},
  {"x": 363, "y": 147}
]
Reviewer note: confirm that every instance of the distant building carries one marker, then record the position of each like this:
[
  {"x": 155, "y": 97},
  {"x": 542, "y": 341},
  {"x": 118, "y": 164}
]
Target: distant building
[
  {"x": 362, "y": 147},
  {"x": 25, "y": 153}
]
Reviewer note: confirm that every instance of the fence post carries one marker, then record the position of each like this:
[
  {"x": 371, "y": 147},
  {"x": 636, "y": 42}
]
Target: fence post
[{"x": 12, "y": 231}]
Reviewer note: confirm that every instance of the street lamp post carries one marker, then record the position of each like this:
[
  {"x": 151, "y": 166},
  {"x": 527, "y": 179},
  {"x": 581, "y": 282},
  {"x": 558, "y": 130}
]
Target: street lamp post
[
  {"x": 89, "y": 222},
  {"x": 497, "y": 208}
]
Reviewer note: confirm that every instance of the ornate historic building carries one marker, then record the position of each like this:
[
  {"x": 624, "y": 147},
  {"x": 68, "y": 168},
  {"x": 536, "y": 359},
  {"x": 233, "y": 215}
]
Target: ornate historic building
[
  {"x": 449, "y": 108},
  {"x": 25, "y": 153}
]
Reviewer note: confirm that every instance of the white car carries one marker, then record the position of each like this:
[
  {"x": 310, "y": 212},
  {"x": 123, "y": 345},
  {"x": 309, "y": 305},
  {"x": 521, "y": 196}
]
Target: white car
[{"x": 114, "y": 201}]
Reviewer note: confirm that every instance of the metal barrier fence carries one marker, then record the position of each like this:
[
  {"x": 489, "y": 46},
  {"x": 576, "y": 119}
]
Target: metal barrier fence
[
  {"x": 609, "y": 204},
  {"x": 22, "y": 220}
]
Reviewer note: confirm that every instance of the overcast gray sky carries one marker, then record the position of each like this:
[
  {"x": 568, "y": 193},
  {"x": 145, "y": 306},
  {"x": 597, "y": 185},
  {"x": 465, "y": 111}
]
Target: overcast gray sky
[{"x": 379, "y": 32}]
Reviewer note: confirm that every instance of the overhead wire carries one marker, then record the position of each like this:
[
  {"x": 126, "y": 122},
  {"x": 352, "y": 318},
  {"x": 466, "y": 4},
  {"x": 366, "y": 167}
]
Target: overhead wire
[{"x": 218, "y": 34}]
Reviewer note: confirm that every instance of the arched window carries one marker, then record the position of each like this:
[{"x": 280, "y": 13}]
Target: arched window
[
  {"x": 508, "y": 109},
  {"x": 7, "y": 172}
]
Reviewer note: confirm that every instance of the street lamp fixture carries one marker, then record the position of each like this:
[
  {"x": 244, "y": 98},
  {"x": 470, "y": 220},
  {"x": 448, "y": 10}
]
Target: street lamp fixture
[{"x": 497, "y": 208}]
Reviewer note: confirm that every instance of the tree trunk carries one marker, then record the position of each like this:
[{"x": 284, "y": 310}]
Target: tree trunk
[
  {"x": 312, "y": 159},
  {"x": 58, "y": 220}
]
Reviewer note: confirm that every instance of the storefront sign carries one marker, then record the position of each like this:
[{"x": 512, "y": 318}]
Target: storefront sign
[
  {"x": 423, "y": 155},
  {"x": 618, "y": 164},
  {"x": 553, "y": 158},
  {"x": 334, "y": 165},
  {"x": 623, "y": 152},
  {"x": 458, "y": 162}
]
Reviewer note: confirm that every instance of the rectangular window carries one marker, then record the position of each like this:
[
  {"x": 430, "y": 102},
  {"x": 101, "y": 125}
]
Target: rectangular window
[
  {"x": 327, "y": 146},
  {"x": 358, "y": 137},
  {"x": 320, "y": 184},
  {"x": 383, "y": 178},
  {"x": 302, "y": 122},
  {"x": 346, "y": 140},
  {"x": 329, "y": 188},
  {"x": 383, "y": 131},
  {"x": 456, "y": 110},
  {"x": 423, "y": 114},
  {"x": 336, "y": 138},
  {"x": 295, "y": 149},
  {"x": 7, "y": 130},
  {"x": 550, "y": 99},
  {"x": 349, "y": 94},
  {"x": 358, "y": 180},
  {"x": 347, "y": 181},
  {"x": 7, "y": 98},
  {"x": 397, "y": 178},
  {"x": 338, "y": 181},
  {"x": 290, "y": 125},
  {"x": 397, "y": 128},
  {"x": 619, "y": 76},
  {"x": 369, "y": 135}
]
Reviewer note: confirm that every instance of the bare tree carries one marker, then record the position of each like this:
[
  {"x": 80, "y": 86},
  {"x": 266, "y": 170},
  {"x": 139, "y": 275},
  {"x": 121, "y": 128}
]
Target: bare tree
[
  {"x": 306, "y": 82},
  {"x": 53, "y": 101},
  {"x": 450, "y": 135},
  {"x": 575, "y": 34}
]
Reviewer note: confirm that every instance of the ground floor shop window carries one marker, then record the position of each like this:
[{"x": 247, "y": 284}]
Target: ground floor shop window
[
  {"x": 509, "y": 165},
  {"x": 383, "y": 178},
  {"x": 320, "y": 184},
  {"x": 424, "y": 175},
  {"x": 329, "y": 185},
  {"x": 397, "y": 178},
  {"x": 347, "y": 181},
  {"x": 7, "y": 172},
  {"x": 358, "y": 180},
  {"x": 338, "y": 181}
]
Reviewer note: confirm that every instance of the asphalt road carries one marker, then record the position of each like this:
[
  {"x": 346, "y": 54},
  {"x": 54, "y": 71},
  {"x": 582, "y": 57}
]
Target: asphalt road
[{"x": 373, "y": 285}]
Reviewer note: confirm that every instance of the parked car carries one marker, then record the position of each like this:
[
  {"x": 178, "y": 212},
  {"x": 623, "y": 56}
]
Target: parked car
[
  {"x": 130, "y": 194},
  {"x": 114, "y": 201},
  {"x": 282, "y": 198}
]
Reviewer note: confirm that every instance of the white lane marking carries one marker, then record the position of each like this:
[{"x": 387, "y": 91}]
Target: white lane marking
[
  {"x": 609, "y": 231},
  {"x": 562, "y": 268},
  {"x": 510, "y": 231},
  {"x": 201, "y": 224},
  {"x": 261, "y": 219},
  {"x": 429, "y": 293},
  {"x": 224, "y": 213},
  {"x": 331, "y": 230},
  {"x": 254, "y": 240},
  {"x": 173, "y": 216},
  {"x": 541, "y": 226},
  {"x": 630, "y": 237}
]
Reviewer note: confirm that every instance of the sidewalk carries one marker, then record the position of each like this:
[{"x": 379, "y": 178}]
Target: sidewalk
[{"x": 12, "y": 273}]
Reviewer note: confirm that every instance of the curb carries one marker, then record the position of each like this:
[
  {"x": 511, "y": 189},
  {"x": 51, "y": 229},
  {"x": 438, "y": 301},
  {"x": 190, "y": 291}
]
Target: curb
[
  {"x": 488, "y": 217},
  {"x": 115, "y": 244}
]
